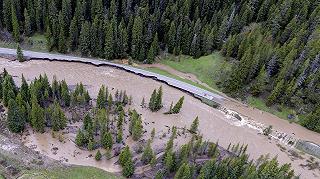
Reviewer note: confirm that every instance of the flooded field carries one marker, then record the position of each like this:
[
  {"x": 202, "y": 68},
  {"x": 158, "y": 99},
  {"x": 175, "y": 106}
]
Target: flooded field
[{"x": 214, "y": 124}]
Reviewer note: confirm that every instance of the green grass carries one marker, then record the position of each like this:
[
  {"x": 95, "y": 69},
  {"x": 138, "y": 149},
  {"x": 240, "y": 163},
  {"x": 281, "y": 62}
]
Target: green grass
[
  {"x": 78, "y": 172},
  {"x": 207, "y": 68},
  {"x": 260, "y": 104},
  {"x": 165, "y": 73},
  {"x": 37, "y": 42}
]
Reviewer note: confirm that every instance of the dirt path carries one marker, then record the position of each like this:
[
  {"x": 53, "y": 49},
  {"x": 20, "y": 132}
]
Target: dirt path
[{"x": 214, "y": 124}]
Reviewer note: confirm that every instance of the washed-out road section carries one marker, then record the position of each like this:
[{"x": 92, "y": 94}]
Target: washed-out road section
[{"x": 195, "y": 91}]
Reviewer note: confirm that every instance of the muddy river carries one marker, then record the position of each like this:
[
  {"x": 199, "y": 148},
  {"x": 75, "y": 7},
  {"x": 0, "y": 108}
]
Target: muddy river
[{"x": 214, "y": 124}]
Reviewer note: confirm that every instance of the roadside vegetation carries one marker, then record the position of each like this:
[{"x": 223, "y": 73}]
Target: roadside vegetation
[{"x": 207, "y": 69}]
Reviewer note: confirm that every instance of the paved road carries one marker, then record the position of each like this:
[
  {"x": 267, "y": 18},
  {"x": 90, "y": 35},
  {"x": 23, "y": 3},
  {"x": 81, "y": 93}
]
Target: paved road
[{"x": 196, "y": 91}]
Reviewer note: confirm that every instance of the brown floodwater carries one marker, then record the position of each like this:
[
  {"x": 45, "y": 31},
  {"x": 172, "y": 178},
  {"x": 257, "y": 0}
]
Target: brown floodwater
[{"x": 214, "y": 124}]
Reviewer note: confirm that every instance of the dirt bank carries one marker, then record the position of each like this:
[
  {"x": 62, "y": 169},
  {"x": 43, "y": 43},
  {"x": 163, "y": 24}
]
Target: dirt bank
[{"x": 213, "y": 123}]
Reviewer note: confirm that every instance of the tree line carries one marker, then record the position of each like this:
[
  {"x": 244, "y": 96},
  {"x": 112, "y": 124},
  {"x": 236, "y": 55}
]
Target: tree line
[{"x": 122, "y": 28}]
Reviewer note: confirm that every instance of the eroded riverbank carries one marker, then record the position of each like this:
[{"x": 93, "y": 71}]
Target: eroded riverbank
[{"x": 214, "y": 124}]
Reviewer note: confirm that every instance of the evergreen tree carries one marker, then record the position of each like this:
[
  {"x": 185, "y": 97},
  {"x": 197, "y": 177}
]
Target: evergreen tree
[
  {"x": 91, "y": 145},
  {"x": 107, "y": 141},
  {"x": 101, "y": 100},
  {"x": 20, "y": 54},
  {"x": 183, "y": 172},
  {"x": 125, "y": 160},
  {"x": 15, "y": 121},
  {"x": 158, "y": 100},
  {"x": 15, "y": 24},
  {"x": 58, "y": 118},
  {"x": 27, "y": 23},
  {"x": 176, "y": 108},
  {"x": 137, "y": 31},
  {"x": 98, "y": 155},
  {"x": 152, "y": 100},
  {"x": 65, "y": 95},
  {"x": 62, "y": 47},
  {"x": 37, "y": 116},
  {"x": 260, "y": 83},
  {"x": 147, "y": 153},
  {"x": 137, "y": 130},
  {"x": 172, "y": 37},
  {"x": 169, "y": 161},
  {"x": 124, "y": 155},
  {"x": 80, "y": 138},
  {"x": 24, "y": 90},
  {"x": 119, "y": 135},
  {"x": 109, "y": 48},
  {"x": 84, "y": 39},
  {"x": 8, "y": 90},
  {"x": 194, "y": 125},
  {"x": 275, "y": 93},
  {"x": 73, "y": 34}
]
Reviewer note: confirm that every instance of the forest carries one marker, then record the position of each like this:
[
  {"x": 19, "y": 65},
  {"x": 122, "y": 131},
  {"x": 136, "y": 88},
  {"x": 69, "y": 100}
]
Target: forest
[{"x": 273, "y": 45}]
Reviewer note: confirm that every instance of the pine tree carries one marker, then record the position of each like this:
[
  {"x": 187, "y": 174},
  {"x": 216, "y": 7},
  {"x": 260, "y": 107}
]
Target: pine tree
[
  {"x": 107, "y": 141},
  {"x": 125, "y": 160},
  {"x": 49, "y": 38},
  {"x": 15, "y": 24},
  {"x": 108, "y": 49},
  {"x": 260, "y": 83},
  {"x": 151, "y": 55},
  {"x": 20, "y": 54},
  {"x": 24, "y": 90},
  {"x": 58, "y": 118},
  {"x": 194, "y": 125},
  {"x": 158, "y": 100},
  {"x": 178, "y": 106},
  {"x": 8, "y": 90},
  {"x": 87, "y": 121},
  {"x": 137, "y": 31},
  {"x": 169, "y": 161},
  {"x": 91, "y": 145},
  {"x": 101, "y": 100},
  {"x": 65, "y": 95},
  {"x": 137, "y": 130},
  {"x": 27, "y": 23},
  {"x": 128, "y": 168},
  {"x": 7, "y": 14},
  {"x": 80, "y": 138},
  {"x": 152, "y": 100},
  {"x": 147, "y": 153},
  {"x": 172, "y": 37},
  {"x": 73, "y": 34},
  {"x": 84, "y": 39},
  {"x": 15, "y": 121},
  {"x": 275, "y": 93},
  {"x": 98, "y": 155},
  {"x": 183, "y": 172},
  {"x": 119, "y": 135},
  {"x": 37, "y": 116}
]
